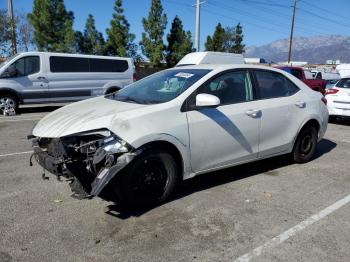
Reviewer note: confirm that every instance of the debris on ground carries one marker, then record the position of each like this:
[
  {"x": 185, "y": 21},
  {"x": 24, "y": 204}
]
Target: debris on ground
[{"x": 268, "y": 194}]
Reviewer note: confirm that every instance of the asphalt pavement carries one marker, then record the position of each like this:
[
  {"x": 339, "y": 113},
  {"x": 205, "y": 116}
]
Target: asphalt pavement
[{"x": 271, "y": 210}]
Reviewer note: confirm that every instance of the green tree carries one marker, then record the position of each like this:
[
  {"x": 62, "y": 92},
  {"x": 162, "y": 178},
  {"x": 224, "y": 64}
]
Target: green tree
[
  {"x": 152, "y": 45},
  {"x": 92, "y": 40},
  {"x": 53, "y": 26},
  {"x": 179, "y": 43},
  {"x": 120, "y": 40},
  {"x": 238, "y": 46},
  {"x": 216, "y": 42}
]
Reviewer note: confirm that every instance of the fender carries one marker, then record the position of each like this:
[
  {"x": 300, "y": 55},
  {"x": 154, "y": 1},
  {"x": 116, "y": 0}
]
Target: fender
[
  {"x": 180, "y": 145},
  {"x": 310, "y": 117},
  {"x": 12, "y": 92}
]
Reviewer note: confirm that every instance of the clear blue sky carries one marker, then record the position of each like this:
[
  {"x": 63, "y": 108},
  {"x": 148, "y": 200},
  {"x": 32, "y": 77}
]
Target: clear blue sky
[{"x": 263, "y": 20}]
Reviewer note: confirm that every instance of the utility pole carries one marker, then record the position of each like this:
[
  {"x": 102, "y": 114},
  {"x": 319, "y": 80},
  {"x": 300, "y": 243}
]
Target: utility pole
[
  {"x": 12, "y": 26},
  {"x": 198, "y": 25},
  {"x": 291, "y": 32}
]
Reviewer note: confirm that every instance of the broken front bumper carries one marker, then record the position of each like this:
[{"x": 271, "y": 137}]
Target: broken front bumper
[{"x": 82, "y": 183}]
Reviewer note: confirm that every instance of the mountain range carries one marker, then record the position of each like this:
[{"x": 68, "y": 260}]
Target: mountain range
[{"x": 316, "y": 49}]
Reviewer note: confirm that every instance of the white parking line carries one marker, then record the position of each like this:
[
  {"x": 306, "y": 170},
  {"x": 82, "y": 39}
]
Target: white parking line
[
  {"x": 18, "y": 153},
  {"x": 19, "y": 119},
  {"x": 294, "y": 230}
]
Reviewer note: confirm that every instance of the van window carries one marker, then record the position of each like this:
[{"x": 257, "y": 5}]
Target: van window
[
  {"x": 81, "y": 64},
  {"x": 27, "y": 65},
  {"x": 108, "y": 65},
  {"x": 60, "y": 64}
]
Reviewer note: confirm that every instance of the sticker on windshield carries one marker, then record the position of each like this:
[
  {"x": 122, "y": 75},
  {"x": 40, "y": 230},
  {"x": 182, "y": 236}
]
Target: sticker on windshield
[{"x": 184, "y": 75}]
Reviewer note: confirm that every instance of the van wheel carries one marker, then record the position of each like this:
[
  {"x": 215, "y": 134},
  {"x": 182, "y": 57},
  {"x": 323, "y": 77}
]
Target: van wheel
[
  {"x": 305, "y": 145},
  {"x": 112, "y": 90},
  {"x": 8, "y": 102},
  {"x": 149, "y": 180}
]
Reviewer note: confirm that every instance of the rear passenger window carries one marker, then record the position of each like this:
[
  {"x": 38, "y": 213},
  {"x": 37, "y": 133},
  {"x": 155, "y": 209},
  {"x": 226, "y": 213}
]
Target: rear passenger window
[
  {"x": 78, "y": 64},
  {"x": 68, "y": 64},
  {"x": 108, "y": 65},
  {"x": 27, "y": 65},
  {"x": 272, "y": 85},
  {"x": 232, "y": 87}
]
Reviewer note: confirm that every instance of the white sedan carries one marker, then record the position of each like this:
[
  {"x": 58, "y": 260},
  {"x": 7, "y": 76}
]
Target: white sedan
[
  {"x": 176, "y": 124},
  {"x": 338, "y": 99}
]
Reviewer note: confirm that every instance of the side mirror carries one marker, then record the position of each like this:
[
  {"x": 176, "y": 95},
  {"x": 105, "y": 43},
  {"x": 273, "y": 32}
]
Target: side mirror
[{"x": 206, "y": 100}]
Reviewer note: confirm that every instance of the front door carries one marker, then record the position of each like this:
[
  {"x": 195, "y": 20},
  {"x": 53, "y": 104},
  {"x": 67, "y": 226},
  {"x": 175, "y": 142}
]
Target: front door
[
  {"x": 229, "y": 133},
  {"x": 31, "y": 79}
]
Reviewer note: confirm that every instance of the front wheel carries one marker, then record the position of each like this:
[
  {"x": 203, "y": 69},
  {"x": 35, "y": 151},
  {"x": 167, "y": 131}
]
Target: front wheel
[
  {"x": 8, "y": 103},
  {"x": 305, "y": 145},
  {"x": 149, "y": 179}
]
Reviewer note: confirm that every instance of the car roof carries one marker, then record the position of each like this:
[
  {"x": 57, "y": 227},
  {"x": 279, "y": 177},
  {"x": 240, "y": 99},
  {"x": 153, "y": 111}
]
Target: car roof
[{"x": 223, "y": 67}]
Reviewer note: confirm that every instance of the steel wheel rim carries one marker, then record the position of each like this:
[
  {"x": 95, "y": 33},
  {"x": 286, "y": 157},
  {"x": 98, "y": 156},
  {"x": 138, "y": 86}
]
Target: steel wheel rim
[
  {"x": 7, "y": 103},
  {"x": 306, "y": 144},
  {"x": 150, "y": 178}
]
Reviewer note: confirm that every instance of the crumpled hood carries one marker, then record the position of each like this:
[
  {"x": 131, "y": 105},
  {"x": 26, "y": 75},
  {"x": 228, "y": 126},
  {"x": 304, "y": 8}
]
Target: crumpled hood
[{"x": 91, "y": 114}]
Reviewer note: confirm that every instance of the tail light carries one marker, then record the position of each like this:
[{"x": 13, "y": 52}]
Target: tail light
[
  {"x": 134, "y": 77},
  {"x": 324, "y": 100},
  {"x": 332, "y": 91}
]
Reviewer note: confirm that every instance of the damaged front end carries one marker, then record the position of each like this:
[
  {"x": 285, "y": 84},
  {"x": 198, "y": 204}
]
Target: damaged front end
[{"x": 89, "y": 160}]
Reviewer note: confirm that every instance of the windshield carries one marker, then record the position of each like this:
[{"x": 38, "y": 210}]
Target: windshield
[
  {"x": 343, "y": 83},
  {"x": 160, "y": 87},
  {"x": 7, "y": 60}
]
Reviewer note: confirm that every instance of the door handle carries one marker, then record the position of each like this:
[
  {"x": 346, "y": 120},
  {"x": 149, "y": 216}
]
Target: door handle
[
  {"x": 253, "y": 113},
  {"x": 41, "y": 78},
  {"x": 300, "y": 104}
]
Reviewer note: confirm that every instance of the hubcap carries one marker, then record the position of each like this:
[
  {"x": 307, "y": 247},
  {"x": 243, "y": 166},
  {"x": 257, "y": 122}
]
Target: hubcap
[{"x": 7, "y": 103}]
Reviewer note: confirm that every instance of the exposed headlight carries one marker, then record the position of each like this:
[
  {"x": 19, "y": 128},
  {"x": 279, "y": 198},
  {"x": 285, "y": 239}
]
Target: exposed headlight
[{"x": 115, "y": 145}]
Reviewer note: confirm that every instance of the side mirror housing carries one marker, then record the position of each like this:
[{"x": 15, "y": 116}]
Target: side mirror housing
[{"x": 207, "y": 100}]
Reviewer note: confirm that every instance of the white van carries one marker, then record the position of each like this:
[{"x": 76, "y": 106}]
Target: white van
[
  {"x": 199, "y": 58},
  {"x": 42, "y": 77}
]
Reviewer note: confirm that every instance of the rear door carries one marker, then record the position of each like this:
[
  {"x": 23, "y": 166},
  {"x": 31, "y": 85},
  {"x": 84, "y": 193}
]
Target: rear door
[
  {"x": 229, "y": 133},
  {"x": 282, "y": 108}
]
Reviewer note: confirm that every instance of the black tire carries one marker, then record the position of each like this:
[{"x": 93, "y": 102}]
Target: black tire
[
  {"x": 112, "y": 90},
  {"x": 332, "y": 119},
  {"x": 10, "y": 100},
  {"x": 305, "y": 145},
  {"x": 149, "y": 180}
]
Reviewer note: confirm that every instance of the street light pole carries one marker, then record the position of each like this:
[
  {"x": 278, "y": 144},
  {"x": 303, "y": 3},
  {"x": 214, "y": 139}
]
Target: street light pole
[
  {"x": 291, "y": 32},
  {"x": 12, "y": 26},
  {"x": 197, "y": 36}
]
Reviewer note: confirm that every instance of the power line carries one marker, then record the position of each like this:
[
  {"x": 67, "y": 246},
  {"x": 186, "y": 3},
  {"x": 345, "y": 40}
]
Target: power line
[{"x": 325, "y": 10}]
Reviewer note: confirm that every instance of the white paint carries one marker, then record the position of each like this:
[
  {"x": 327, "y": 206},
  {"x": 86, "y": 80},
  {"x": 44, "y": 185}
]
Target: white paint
[
  {"x": 294, "y": 230},
  {"x": 18, "y": 153}
]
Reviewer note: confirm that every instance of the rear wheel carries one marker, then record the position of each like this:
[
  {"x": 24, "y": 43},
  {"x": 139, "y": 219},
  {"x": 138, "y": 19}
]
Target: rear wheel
[
  {"x": 8, "y": 102},
  {"x": 149, "y": 180},
  {"x": 305, "y": 145}
]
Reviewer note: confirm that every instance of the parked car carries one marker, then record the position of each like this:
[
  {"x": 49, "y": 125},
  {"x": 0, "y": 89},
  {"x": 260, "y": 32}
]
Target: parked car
[
  {"x": 338, "y": 99},
  {"x": 331, "y": 78},
  {"x": 306, "y": 76},
  {"x": 41, "y": 77},
  {"x": 176, "y": 124}
]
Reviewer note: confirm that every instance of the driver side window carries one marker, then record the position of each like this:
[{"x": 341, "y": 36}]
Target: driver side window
[
  {"x": 230, "y": 88},
  {"x": 27, "y": 66}
]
